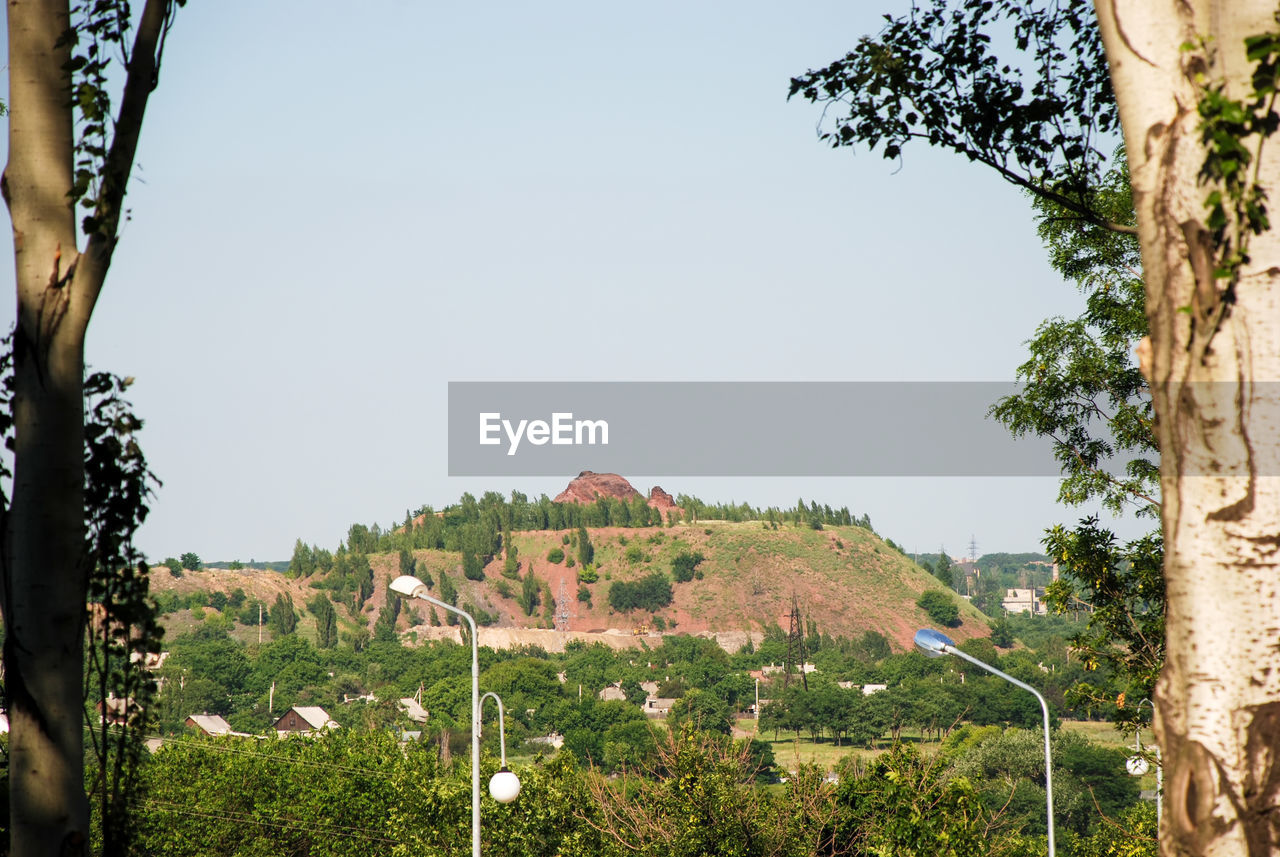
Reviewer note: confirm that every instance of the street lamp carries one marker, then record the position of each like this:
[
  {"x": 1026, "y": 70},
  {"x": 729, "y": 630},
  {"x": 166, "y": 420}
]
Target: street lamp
[
  {"x": 935, "y": 644},
  {"x": 409, "y": 586},
  {"x": 1137, "y": 765},
  {"x": 504, "y": 786}
]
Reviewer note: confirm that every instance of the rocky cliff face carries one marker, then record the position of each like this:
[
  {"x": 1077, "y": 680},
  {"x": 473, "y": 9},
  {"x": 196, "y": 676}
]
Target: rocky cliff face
[
  {"x": 587, "y": 487},
  {"x": 660, "y": 499}
]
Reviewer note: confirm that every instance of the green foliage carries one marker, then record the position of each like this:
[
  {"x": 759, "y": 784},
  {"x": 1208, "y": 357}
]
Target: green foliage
[
  {"x": 937, "y": 63},
  {"x": 555, "y": 555},
  {"x": 303, "y": 561},
  {"x": 586, "y": 552},
  {"x": 174, "y": 565},
  {"x": 588, "y": 574},
  {"x": 651, "y": 592},
  {"x": 701, "y": 710},
  {"x": 529, "y": 596},
  {"x": 634, "y": 554},
  {"x": 905, "y": 805},
  {"x": 284, "y": 619},
  {"x": 191, "y": 562},
  {"x": 684, "y": 565},
  {"x": 1090, "y": 783},
  {"x": 1237, "y": 204},
  {"x": 123, "y": 627},
  {"x": 940, "y": 607},
  {"x": 1125, "y": 585},
  {"x": 326, "y": 620}
]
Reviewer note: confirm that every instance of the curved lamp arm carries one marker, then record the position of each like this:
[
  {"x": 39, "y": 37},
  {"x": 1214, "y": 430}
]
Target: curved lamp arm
[{"x": 502, "y": 731}]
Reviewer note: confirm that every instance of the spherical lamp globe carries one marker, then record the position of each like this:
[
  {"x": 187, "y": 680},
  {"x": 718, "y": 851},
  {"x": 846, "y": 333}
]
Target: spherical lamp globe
[{"x": 504, "y": 786}]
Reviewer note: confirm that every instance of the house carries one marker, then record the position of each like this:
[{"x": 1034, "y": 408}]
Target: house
[
  {"x": 209, "y": 724},
  {"x": 613, "y": 692},
  {"x": 555, "y": 740},
  {"x": 413, "y": 709},
  {"x": 656, "y": 706},
  {"x": 868, "y": 689},
  {"x": 1025, "y": 601},
  {"x": 118, "y": 711},
  {"x": 304, "y": 720}
]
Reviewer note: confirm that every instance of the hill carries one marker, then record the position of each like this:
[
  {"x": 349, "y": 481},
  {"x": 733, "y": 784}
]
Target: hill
[{"x": 846, "y": 580}]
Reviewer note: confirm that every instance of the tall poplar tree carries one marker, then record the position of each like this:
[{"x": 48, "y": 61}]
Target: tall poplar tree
[{"x": 58, "y": 67}]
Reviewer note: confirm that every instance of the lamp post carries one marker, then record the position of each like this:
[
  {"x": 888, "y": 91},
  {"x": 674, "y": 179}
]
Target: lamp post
[
  {"x": 1137, "y": 766},
  {"x": 409, "y": 586},
  {"x": 935, "y": 644},
  {"x": 503, "y": 786}
]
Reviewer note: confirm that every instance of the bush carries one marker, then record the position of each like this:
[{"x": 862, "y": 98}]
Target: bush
[
  {"x": 555, "y": 555},
  {"x": 684, "y": 565},
  {"x": 651, "y": 592},
  {"x": 940, "y": 607},
  {"x": 634, "y": 554},
  {"x": 588, "y": 574}
]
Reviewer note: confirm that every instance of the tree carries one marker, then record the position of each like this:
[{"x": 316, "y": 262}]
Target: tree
[
  {"x": 940, "y": 607},
  {"x": 284, "y": 619},
  {"x": 586, "y": 552},
  {"x": 191, "y": 561},
  {"x": 326, "y": 620},
  {"x": 52, "y": 55},
  {"x": 1196, "y": 91}
]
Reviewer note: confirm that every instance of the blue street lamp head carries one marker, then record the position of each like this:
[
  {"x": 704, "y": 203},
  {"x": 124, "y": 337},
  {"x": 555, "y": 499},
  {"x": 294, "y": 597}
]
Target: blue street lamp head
[{"x": 932, "y": 643}]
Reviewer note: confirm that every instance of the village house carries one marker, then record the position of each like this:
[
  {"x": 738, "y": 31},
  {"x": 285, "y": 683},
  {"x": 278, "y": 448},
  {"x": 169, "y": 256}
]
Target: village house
[
  {"x": 613, "y": 692},
  {"x": 656, "y": 706},
  {"x": 304, "y": 720},
  {"x": 209, "y": 724}
]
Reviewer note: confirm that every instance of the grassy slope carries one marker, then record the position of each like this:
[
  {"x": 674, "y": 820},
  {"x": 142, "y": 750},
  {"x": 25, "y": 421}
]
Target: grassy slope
[{"x": 846, "y": 579}]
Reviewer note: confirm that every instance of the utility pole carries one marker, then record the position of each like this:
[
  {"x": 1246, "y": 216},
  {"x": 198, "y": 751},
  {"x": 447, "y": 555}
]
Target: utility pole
[{"x": 795, "y": 645}]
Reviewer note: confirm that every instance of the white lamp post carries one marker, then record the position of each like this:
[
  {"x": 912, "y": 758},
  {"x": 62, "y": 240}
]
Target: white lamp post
[
  {"x": 1137, "y": 765},
  {"x": 504, "y": 786},
  {"x": 411, "y": 587},
  {"x": 935, "y": 644}
]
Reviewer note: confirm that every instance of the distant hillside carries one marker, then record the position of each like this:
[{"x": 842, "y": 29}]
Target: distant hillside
[{"x": 846, "y": 579}]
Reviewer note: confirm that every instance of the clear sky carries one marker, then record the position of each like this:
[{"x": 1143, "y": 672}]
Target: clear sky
[{"x": 338, "y": 208}]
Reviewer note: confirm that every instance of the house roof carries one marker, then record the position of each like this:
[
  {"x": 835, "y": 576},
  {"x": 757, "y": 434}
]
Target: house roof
[
  {"x": 413, "y": 709},
  {"x": 210, "y": 724},
  {"x": 315, "y": 715}
]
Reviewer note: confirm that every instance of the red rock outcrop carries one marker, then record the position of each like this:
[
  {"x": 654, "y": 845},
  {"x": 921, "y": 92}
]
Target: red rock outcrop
[
  {"x": 587, "y": 487},
  {"x": 661, "y": 500}
]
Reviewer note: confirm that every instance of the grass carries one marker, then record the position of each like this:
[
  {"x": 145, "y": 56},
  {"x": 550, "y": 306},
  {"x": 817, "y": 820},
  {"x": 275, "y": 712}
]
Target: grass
[{"x": 790, "y": 751}]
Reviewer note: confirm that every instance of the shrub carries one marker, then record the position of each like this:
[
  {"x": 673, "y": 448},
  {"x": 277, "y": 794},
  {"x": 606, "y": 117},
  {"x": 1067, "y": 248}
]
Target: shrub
[
  {"x": 651, "y": 592},
  {"x": 684, "y": 565},
  {"x": 940, "y": 607},
  {"x": 555, "y": 555},
  {"x": 588, "y": 574},
  {"x": 634, "y": 554}
]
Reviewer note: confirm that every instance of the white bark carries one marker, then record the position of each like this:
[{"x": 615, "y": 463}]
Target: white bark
[{"x": 1213, "y": 361}]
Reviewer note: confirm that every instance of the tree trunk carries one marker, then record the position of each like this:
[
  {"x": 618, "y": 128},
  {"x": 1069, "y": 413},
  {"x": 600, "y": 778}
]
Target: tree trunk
[
  {"x": 44, "y": 571},
  {"x": 45, "y": 583},
  {"x": 1213, "y": 362}
]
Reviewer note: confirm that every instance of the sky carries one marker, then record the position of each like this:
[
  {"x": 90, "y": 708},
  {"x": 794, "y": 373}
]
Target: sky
[{"x": 339, "y": 208}]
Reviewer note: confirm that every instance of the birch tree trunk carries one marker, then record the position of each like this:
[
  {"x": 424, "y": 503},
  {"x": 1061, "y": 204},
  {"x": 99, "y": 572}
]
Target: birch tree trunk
[
  {"x": 44, "y": 571},
  {"x": 1213, "y": 362}
]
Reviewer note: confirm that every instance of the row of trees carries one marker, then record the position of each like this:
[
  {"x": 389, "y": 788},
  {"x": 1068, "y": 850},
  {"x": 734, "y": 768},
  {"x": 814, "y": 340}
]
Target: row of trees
[{"x": 692, "y": 794}]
